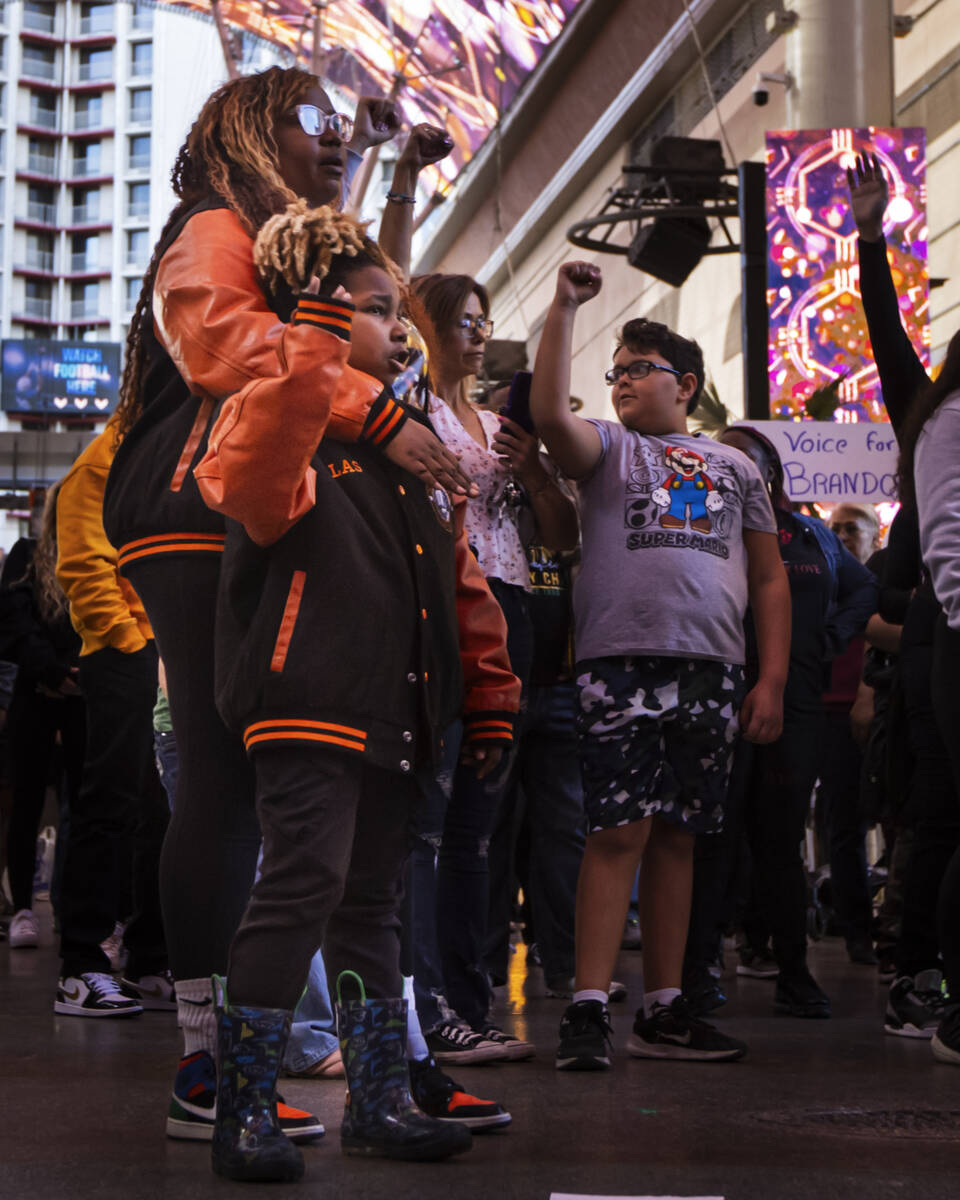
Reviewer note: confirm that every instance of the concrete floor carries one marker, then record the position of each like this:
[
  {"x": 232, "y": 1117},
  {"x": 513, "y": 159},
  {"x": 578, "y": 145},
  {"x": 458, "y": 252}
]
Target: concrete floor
[{"x": 83, "y": 1106}]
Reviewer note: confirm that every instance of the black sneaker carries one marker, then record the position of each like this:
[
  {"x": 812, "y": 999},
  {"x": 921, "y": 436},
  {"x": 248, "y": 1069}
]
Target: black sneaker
[
  {"x": 915, "y": 1005},
  {"x": 703, "y": 992},
  {"x": 455, "y": 1043},
  {"x": 585, "y": 1034},
  {"x": 93, "y": 994},
  {"x": 675, "y": 1032},
  {"x": 946, "y": 1041},
  {"x": 799, "y": 995},
  {"x": 756, "y": 964},
  {"x": 516, "y": 1048},
  {"x": 441, "y": 1097}
]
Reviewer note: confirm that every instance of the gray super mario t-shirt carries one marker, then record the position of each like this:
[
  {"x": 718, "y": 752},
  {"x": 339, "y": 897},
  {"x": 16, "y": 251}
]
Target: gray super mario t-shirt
[{"x": 664, "y": 567}]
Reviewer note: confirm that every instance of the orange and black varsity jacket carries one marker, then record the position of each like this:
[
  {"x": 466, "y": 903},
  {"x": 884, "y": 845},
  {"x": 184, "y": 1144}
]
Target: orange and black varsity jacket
[
  {"x": 352, "y": 614},
  {"x": 210, "y": 331}
]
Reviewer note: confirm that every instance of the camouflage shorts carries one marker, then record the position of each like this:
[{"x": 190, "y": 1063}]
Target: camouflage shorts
[{"x": 656, "y": 736}]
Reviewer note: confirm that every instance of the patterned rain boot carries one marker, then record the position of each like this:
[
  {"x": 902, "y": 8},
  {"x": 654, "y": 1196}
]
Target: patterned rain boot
[
  {"x": 248, "y": 1143},
  {"x": 380, "y": 1117}
]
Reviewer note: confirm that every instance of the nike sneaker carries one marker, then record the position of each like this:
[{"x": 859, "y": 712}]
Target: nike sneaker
[
  {"x": 675, "y": 1032},
  {"x": 24, "y": 931},
  {"x": 585, "y": 1034},
  {"x": 193, "y": 1105},
  {"x": 915, "y": 1005},
  {"x": 93, "y": 994},
  {"x": 439, "y": 1096},
  {"x": 155, "y": 992}
]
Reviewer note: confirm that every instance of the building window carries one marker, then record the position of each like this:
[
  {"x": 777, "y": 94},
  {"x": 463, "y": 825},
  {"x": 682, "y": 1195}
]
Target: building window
[
  {"x": 142, "y": 16},
  {"x": 141, "y": 58},
  {"x": 84, "y": 252},
  {"x": 138, "y": 247},
  {"x": 43, "y": 109},
  {"x": 96, "y": 18},
  {"x": 88, "y": 112},
  {"x": 141, "y": 105},
  {"x": 42, "y": 156},
  {"x": 39, "y": 62},
  {"x": 139, "y": 152},
  {"x": 86, "y": 160},
  {"x": 40, "y": 251},
  {"x": 41, "y": 204},
  {"x": 39, "y": 17},
  {"x": 86, "y": 206},
  {"x": 84, "y": 300},
  {"x": 38, "y": 299},
  {"x": 96, "y": 65},
  {"x": 138, "y": 201},
  {"x": 132, "y": 288}
]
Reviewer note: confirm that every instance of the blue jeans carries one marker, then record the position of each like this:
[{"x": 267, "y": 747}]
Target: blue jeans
[
  {"x": 546, "y": 771},
  {"x": 313, "y": 1033},
  {"x": 165, "y": 753}
]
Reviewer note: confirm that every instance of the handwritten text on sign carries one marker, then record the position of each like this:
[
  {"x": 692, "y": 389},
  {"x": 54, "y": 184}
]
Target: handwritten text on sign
[{"x": 828, "y": 462}]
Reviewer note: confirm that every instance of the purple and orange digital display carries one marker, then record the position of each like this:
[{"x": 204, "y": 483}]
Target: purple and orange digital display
[{"x": 817, "y": 330}]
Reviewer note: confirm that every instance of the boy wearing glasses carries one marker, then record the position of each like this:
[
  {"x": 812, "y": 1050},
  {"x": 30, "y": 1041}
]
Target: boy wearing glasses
[{"x": 678, "y": 537}]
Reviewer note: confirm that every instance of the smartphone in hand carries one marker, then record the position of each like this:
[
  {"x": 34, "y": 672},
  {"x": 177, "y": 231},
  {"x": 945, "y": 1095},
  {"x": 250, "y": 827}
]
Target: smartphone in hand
[{"x": 517, "y": 407}]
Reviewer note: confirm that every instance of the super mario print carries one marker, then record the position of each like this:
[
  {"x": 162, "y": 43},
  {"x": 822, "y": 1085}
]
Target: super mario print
[
  {"x": 682, "y": 497},
  {"x": 688, "y": 492}
]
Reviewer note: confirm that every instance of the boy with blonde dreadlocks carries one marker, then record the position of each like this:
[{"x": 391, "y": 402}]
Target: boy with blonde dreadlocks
[
  {"x": 353, "y": 625},
  {"x": 204, "y": 328}
]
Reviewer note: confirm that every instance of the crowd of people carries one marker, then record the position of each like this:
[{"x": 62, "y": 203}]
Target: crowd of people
[{"x": 336, "y": 661}]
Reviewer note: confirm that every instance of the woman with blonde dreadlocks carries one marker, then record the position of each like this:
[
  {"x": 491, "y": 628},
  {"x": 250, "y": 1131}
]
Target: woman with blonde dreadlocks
[
  {"x": 202, "y": 330},
  {"x": 353, "y": 625}
]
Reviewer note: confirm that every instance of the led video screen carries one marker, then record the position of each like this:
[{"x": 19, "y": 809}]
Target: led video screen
[
  {"x": 817, "y": 331},
  {"x": 68, "y": 379},
  {"x": 464, "y": 60}
]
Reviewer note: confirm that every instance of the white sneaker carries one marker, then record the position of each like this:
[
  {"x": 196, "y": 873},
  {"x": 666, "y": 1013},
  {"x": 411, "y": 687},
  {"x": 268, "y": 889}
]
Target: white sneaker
[
  {"x": 155, "y": 992},
  {"x": 114, "y": 949},
  {"x": 24, "y": 930},
  {"x": 93, "y": 994}
]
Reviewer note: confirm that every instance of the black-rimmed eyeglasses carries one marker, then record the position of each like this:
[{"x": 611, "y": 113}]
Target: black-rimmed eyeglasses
[
  {"x": 315, "y": 122},
  {"x": 640, "y": 368}
]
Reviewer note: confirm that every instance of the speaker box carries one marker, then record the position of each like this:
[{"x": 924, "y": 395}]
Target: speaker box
[{"x": 669, "y": 247}]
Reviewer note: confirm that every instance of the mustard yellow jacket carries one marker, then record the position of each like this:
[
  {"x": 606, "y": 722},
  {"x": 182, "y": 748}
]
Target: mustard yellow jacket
[{"x": 104, "y": 608}]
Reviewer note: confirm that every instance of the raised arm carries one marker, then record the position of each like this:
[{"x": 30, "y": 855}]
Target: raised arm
[
  {"x": 898, "y": 364},
  {"x": 426, "y": 145},
  {"x": 574, "y": 444}
]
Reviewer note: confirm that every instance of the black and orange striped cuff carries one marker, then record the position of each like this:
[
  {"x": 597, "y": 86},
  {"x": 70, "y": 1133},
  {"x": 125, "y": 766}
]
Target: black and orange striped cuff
[
  {"x": 384, "y": 420},
  {"x": 496, "y": 727},
  {"x": 170, "y": 543},
  {"x": 346, "y": 737},
  {"x": 332, "y": 316}
]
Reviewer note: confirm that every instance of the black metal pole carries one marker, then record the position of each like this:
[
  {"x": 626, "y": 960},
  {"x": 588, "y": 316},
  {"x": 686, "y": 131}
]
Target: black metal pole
[{"x": 753, "y": 290}]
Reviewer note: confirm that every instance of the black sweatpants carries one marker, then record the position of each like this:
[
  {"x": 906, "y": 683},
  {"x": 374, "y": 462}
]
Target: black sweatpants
[
  {"x": 336, "y": 835},
  {"x": 33, "y": 723},
  {"x": 210, "y": 852},
  {"x": 120, "y": 796}
]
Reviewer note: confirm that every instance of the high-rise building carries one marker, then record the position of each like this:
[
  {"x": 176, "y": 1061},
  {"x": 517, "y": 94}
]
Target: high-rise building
[{"x": 95, "y": 100}]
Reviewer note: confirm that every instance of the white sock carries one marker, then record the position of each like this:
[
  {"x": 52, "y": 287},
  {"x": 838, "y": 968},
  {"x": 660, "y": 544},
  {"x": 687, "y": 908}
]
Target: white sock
[
  {"x": 664, "y": 996},
  {"x": 416, "y": 1044},
  {"x": 196, "y": 1015},
  {"x": 591, "y": 994}
]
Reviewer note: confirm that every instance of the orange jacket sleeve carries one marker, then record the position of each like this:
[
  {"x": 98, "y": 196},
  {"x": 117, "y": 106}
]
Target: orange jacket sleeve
[
  {"x": 492, "y": 690},
  {"x": 257, "y": 465},
  {"x": 212, "y": 318}
]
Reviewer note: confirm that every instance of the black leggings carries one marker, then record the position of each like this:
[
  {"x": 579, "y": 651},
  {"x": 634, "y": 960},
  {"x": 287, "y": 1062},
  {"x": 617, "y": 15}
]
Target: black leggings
[
  {"x": 210, "y": 852},
  {"x": 33, "y": 724},
  {"x": 946, "y": 706}
]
